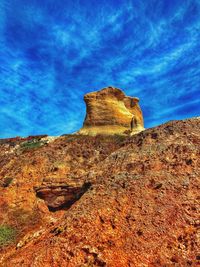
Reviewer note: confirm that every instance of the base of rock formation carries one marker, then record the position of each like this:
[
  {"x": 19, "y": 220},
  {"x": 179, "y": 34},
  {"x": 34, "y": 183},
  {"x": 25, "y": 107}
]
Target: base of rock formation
[{"x": 108, "y": 130}]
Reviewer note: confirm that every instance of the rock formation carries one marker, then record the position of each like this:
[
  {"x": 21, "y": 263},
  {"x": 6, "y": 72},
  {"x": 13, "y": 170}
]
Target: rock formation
[
  {"x": 60, "y": 196},
  {"x": 110, "y": 111}
]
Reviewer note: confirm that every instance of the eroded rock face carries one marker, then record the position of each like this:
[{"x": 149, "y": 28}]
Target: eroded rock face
[
  {"x": 60, "y": 196},
  {"x": 110, "y": 111}
]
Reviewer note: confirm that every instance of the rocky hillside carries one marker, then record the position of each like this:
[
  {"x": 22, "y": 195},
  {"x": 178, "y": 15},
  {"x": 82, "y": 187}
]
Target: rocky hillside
[{"x": 101, "y": 200}]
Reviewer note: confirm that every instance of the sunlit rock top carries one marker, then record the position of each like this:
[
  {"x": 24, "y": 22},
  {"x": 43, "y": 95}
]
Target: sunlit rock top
[{"x": 110, "y": 111}]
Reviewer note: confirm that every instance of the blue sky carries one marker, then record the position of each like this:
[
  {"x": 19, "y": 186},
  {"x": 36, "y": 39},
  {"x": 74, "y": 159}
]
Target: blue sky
[{"x": 53, "y": 52}]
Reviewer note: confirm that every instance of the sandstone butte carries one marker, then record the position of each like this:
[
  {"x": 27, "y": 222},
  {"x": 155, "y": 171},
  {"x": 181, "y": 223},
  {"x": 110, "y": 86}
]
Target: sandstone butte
[
  {"x": 110, "y": 111},
  {"x": 105, "y": 200}
]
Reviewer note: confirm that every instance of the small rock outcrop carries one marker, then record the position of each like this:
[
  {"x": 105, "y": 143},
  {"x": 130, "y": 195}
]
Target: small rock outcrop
[
  {"x": 110, "y": 111},
  {"x": 60, "y": 196}
]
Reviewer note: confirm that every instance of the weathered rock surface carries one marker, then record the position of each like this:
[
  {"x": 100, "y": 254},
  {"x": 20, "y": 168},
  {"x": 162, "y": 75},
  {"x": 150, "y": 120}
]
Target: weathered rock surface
[
  {"x": 60, "y": 196},
  {"x": 142, "y": 208},
  {"x": 110, "y": 111}
]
